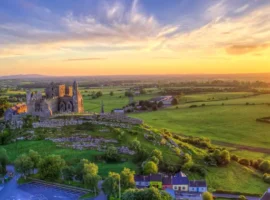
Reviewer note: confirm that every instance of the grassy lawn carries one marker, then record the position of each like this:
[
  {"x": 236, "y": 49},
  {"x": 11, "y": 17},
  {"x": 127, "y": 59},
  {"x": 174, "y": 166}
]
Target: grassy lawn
[
  {"x": 236, "y": 178},
  {"x": 71, "y": 156},
  {"x": 229, "y": 123}
]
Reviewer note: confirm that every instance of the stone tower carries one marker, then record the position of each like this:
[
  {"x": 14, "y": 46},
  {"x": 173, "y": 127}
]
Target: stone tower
[{"x": 77, "y": 99}]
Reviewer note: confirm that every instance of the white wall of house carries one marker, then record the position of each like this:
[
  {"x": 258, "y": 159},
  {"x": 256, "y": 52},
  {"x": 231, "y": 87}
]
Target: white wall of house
[
  {"x": 202, "y": 189},
  {"x": 142, "y": 183},
  {"x": 180, "y": 187},
  {"x": 197, "y": 189}
]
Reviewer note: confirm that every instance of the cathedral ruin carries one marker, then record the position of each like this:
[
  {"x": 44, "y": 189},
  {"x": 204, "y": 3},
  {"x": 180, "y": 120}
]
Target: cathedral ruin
[{"x": 58, "y": 99}]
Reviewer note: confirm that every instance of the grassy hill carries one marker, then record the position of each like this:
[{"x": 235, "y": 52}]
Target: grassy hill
[{"x": 233, "y": 177}]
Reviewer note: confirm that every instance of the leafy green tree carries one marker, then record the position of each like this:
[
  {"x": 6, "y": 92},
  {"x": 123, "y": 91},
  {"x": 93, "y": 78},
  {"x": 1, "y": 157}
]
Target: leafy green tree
[
  {"x": 207, "y": 196},
  {"x": 90, "y": 168},
  {"x": 91, "y": 181},
  {"x": 150, "y": 168},
  {"x": 127, "y": 178},
  {"x": 68, "y": 173},
  {"x": 136, "y": 145},
  {"x": 225, "y": 157},
  {"x": 99, "y": 94},
  {"x": 132, "y": 194},
  {"x": 188, "y": 162},
  {"x": 3, "y": 106},
  {"x": 158, "y": 154},
  {"x": 35, "y": 157},
  {"x": 90, "y": 176},
  {"x": 244, "y": 162},
  {"x": 174, "y": 101},
  {"x": 111, "y": 93},
  {"x": 160, "y": 104},
  {"x": 165, "y": 195},
  {"x": 3, "y": 160},
  {"x": 24, "y": 164},
  {"x": 146, "y": 194},
  {"x": 28, "y": 121},
  {"x": 222, "y": 157},
  {"x": 154, "y": 159},
  {"x": 79, "y": 168},
  {"x": 152, "y": 193},
  {"x": 50, "y": 167},
  {"x": 265, "y": 166},
  {"x": 112, "y": 154},
  {"x": 111, "y": 184},
  {"x": 143, "y": 91}
]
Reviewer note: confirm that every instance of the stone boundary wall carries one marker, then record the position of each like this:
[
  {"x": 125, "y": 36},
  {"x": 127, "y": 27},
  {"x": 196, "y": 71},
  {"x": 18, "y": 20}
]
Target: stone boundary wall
[
  {"x": 55, "y": 123},
  {"x": 121, "y": 118}
]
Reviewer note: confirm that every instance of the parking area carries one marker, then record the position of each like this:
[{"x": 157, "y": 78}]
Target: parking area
[
  {"x": 41, "y": 192},
  {"x": 36, "y": 191}
]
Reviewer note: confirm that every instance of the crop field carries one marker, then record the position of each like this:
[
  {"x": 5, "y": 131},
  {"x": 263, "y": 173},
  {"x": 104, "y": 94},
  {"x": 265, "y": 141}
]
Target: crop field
[{"x": 233, "y": 122}]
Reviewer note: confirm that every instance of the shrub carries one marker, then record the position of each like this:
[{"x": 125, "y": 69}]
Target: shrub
[
  {"x": 193, "y": 106},
  {"x": 244, "y": 162},
  {"x": 265, "y": 166},
  {"x": 266, "y": 178},
  {"x": 242, "y": 197},
  {"x": 235, "y": 158}
]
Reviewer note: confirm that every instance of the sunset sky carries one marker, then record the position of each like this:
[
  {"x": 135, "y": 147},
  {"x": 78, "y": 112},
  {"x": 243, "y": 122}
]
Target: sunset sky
[{"x": 102, "y": 37}]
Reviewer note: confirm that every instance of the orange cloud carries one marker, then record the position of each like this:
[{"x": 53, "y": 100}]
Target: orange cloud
[{"x": 244, "y": 49}]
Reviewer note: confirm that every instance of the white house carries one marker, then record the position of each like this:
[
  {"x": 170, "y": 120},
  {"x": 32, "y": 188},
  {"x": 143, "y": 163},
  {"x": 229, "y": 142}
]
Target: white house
[
  {"x": 118, "y": 111},
  {"x": 180, "y": 182},
  {"x": 142, "y": 181},
  {"x": 197, "y": 186}
]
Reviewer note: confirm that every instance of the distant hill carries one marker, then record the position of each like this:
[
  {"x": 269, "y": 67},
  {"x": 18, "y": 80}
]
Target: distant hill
[{"x": 23, "y": 76}]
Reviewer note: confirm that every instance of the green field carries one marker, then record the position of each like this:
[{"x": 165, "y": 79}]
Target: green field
[
  {"x": 233, "y": 122},
  {"x": 236, "y": 178},
  {"x": 118, "y": 100}
]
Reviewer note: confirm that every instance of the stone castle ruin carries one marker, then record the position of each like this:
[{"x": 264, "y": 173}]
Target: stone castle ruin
[{"x": 57, "y": 99}]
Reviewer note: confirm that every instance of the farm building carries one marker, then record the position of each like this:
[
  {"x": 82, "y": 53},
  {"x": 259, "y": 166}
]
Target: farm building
[
  {"x": 166, "y": 100},
  {"x": 197, "y": 186}
]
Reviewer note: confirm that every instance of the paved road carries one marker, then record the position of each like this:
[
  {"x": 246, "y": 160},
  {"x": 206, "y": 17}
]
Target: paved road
[
  {"x": 101, "y": 195},
  {"x": 234, "y": 196}
]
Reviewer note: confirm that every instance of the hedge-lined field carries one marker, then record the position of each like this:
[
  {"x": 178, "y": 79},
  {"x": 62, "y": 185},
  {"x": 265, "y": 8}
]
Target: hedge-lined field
[{"x": 227, "y": 123}]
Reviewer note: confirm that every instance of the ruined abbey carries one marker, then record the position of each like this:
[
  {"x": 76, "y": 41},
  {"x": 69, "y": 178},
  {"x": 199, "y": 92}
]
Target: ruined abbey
[{"x": 57, "y": 99}]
